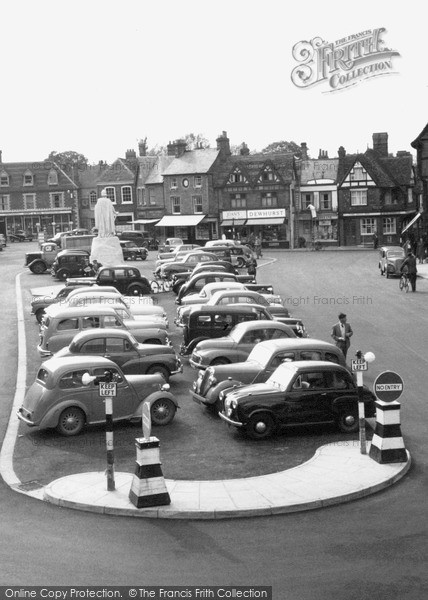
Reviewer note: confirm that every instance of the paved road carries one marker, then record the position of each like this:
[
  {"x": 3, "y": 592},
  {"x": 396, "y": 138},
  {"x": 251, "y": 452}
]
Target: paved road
[{"x": 373, "y": 548}]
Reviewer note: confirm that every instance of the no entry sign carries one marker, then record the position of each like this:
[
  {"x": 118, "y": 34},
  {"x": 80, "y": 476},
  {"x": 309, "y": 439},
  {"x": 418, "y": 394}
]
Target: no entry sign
[{"x": 388, "y": 386}]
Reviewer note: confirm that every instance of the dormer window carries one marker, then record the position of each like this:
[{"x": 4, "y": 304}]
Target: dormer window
[
  {"x": 358, "y": 173},
  {"x": 53, "y": 177},
  {"x": 237, "y": 177},
  {"x": 28, "y": 178},
  {"x": 4, "y": 179},
  {"x": 267, "y": 175}
]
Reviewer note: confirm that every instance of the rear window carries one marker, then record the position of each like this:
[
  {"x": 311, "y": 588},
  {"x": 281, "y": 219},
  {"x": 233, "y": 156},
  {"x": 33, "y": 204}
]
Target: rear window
[{"x": 42, "y": 375}]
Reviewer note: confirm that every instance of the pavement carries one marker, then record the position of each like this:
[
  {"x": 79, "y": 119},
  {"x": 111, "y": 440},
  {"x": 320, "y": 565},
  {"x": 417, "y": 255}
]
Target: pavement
[{"x": 337, "y": 473}]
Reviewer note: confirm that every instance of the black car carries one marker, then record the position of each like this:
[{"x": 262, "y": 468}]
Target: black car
[
  {"x": 297, "y": 393},
  {"x": 140, "y": 238},
  {"x": 127, "y": 280},
  {"x": 73, "y": 263},
  {"x": 216, "y": 265},
  {"x": 131, "y": 251}
]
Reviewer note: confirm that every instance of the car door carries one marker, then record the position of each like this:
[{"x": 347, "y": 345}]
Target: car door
[
  {"x": 308, "y": 398},
  {"x": 124, "y": 403},
  {"x": 339, "y": 385},
  {"x": 123, "y": 353}
]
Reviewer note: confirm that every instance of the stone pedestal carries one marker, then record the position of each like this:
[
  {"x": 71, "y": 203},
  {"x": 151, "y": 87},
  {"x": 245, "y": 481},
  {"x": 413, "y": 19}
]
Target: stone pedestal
[
  {"x": 107, "y": 251},
  {"x": 148, "y": 486}
]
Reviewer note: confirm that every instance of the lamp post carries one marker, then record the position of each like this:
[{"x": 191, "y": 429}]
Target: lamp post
[{"x": 359, "y": 365}]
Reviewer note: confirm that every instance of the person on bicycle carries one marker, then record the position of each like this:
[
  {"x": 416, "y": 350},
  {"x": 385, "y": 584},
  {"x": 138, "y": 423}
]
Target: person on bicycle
[{"x": 410, "y": 264}]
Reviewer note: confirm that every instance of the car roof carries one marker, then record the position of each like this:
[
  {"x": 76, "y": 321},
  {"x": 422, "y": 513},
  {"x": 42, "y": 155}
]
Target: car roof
[
  {"x": 235, "y": 308},
  {"x": 391, "y": 248},
  {"x": 301, "y": 343},
  {"x": 108, "y": 332},
  {"x": 310, "y": 365},
  {"x": 73, "y": 251},
  {"x": 262, "y": 323},
  {"x": 212, "y": 274},
  {"x": 216, "y": 285},
  {"x": 62, "y": 364},
  {"x": 238, "y": 292},
  {"x": 84, "y": 311},
  {"x": 86, "y": 290}
]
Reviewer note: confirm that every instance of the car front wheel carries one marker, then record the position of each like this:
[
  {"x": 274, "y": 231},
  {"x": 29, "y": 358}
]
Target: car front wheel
[
  {"x": 40, "y": 312},
  {"x": 63, "y": 274},
  {"x": 71, "y": 421},
  {"x": 162, "y": 411},
  {"x": 240, "y": 262},
  {"x": 347, "y": 421},
  {"x": 260, "y": 426},
  {"x": 135, "y": 290},
  {"x": 159, "y": 369}
]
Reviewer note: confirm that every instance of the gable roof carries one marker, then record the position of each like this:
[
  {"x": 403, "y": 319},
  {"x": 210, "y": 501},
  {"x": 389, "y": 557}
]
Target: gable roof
[
  {"x": 118, "y": 172},
  {"x": 386, "y": 172},
  {"x": 40, "y": 171},
  {"x": 161, "y": 164},
  {"x": 252, "y": 166},
  {"x": 192, "y": 162}
]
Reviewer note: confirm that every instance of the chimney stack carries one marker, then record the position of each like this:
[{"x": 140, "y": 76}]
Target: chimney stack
[
  {"x": 177, "y": 148},
  {"x": 244, "y": 151},
  {"x": 130, "y": 154},
  {"x": 341, "y": 152},
  {"x": 304, "y": 149},
  {"x": 142, "y": 147},
  {"x": 223, "y": 145},
  {"x": 380, "y": 144}
]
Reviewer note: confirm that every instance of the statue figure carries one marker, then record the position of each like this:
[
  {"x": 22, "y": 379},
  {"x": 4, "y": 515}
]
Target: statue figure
[{"x": 105, "y": 216}]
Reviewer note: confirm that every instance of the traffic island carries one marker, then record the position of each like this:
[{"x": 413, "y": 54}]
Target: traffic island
[{"x": 337, "y": 473}]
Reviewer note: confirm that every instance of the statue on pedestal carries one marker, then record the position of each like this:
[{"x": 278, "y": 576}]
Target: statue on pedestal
[{"x": 106, "y": 248}]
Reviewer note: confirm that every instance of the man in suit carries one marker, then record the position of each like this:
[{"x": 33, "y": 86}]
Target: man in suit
[
  {"x": 342, "y": 331},
  {"x": 409, "y": 265}
]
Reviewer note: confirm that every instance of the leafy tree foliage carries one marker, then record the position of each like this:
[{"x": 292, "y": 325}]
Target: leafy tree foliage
[
  {"x": 68, "y": 159},
  {"x": 283, "y": 146}
]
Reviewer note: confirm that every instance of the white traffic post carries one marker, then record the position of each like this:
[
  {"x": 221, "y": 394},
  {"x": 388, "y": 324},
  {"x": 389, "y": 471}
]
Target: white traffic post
[
  {"x": 358, "y": 366},
  {"x": 107, "y": 390}
]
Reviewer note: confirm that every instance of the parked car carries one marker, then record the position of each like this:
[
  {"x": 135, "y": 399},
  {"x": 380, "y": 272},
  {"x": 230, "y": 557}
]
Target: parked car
[
  {"x": 390, "y": 260},
  {"x": 18, "y": 236},
  {"x": 209, "y": 290},
  {"x": 127, "y": 280},
  {"x": 188, "y": 260},
  {"x": 236, "y": 346},
  {"x": 297, "y": 393},
  {"x": 57, "y": 238},
  {"x": 262, "y": 361},
  {"x": 70, "y": 263},
  {"x": 223, "y": 266},
  {"x": 131, "y": 251},
  {"x": 195, "y": 284},
  {"x": 173, "y": 251},
  {"x": 58, "y": 331},
  {"x": 123, "y": 349},
  {"x": 170, "y": 243},
  {"x": 212, "y": 243},
  {"x": 59, "y": 399},
  {"x": 203, "y": 323},
  {"x": 140, "y": 238},
  {"x": 41, "y": 260}
]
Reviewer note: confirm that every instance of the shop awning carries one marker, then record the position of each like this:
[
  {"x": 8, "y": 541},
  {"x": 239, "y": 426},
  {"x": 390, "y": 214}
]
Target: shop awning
[
  {"x": 179, "y": 220},
  {"x": 412, "y": 222},
  {"x": 233, "y": 223},
  {"x": 273, "y": 221},
  {"x": 144, "y": 221}
]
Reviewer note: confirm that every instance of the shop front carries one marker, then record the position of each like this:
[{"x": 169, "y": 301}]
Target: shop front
[
  {"x": 192, "y": 229},
  {"x": 32, "y": 222},
  {"x": 246, "y": 225}
]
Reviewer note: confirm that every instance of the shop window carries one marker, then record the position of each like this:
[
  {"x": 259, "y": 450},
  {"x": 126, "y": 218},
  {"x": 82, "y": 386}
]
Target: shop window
[
  {"x": 175, "y": 205},
  {"x": 389, "y": 225},
  {"x": 358, "y": 197},
  {"x": 367, "y": 226},
  {"x": 202, "y": 231}
]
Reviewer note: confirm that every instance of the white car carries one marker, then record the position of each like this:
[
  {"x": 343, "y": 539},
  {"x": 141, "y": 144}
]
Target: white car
[{"x": 209, "y": 289}]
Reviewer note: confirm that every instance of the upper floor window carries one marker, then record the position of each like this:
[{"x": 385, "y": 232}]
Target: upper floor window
[
  {"x": 197, "y": 205},
  {"x": 53, "y": 177},
  {"x": 198, "y": 181},
  {"x": 358, "y": 197},
  {"x": 126, "y": 194},
  {"x": 175, "y": 205},
  {"x": 237, "y": 177},
  {"x": 92, "y": 199},
  {"x": 152, "y": 196},
  {"x": 111, "y": 193},
  {"x": 28, "y": 178},
  {"x": 268, "y": 174},
  {"x": 4, "y": 202},
  {"x": 238, "y": 201},
  {"x": 29, "y": 201},
  {"x": 307, "y": 199},
  {"x": 269, "y": 200},
  {"x": 173, "y": 183},
  {"x": 4, "y": 178},
  {"x": 325, "y": 201},
  {"x": 57, "y": 200},
  {"x": 141, "y": 197},
  {"x": 358, "y": 173}
]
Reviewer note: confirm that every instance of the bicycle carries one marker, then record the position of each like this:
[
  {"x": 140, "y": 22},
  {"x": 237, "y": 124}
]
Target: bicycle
[{"x": 404, "y": 283}]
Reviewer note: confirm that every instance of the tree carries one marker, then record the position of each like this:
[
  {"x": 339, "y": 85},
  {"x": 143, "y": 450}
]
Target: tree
[
  {"x": 283, "y": 147},
  {"x": 68, "y": 159},
  {"x": 196, "y": 141}
]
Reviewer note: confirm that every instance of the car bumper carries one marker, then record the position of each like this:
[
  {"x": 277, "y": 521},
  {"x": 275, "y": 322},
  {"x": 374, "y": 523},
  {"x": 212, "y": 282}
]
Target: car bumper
[
  {"x": 196, "y": 365},
  {"x": 24, "y": 419},
  {"x": 198, "y": 399},
  {"x": 43, "y": 353},
  {"x": 178, "y": 371},
  {"x": 230, "y": 421}
]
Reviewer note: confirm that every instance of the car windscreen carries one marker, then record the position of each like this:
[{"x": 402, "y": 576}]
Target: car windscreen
[
  {"x": 260, "y": 355},
  {"x": 281, "y": 378}
]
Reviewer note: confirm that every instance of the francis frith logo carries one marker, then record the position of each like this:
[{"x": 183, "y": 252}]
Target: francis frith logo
[{"x": 343, "y": 63}]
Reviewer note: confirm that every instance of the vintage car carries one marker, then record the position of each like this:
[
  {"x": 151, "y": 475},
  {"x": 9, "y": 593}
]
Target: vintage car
[
  {"x": 187, "y": 261},
  {"x": 209, "y": 290},
  {"x": 139, "y": 238},
  {"x": 236, "y": 346},
  {"x": 153, "y": 316},
  {"x": 127, "y": 280},
  {"x": 58, "y": 331},
  {"x": 262, "y": 361},
  {"x": 70, "y": 263},
  {"x": 60, "y": 397},
  {"x": 218, "y": 266},
  {"x": 297, "y": 393},
  {"x": 172, "y": 253},
  {"x": 170, "y": 244},
  {"x": 123, "y": 349},
  {"x": 206, "y": 322},
  {"x": 131, "y": 251},
  {"x": 390, "y": 260}
]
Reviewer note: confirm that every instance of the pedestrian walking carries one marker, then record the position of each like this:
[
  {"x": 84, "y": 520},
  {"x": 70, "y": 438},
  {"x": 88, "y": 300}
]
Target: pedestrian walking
[
  {"x": 251, "y": 269},
  {"x": 258, "y": 246},
  {"x": 420, "y": 251},
  {"x": 341, "y": 333},
  {"x": 375, "y": 241},
  {"x": 409, "y": 264}
]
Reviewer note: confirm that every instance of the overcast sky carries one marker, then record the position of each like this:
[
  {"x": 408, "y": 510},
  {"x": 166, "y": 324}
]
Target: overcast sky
[{"x": 96, "y": 76}]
